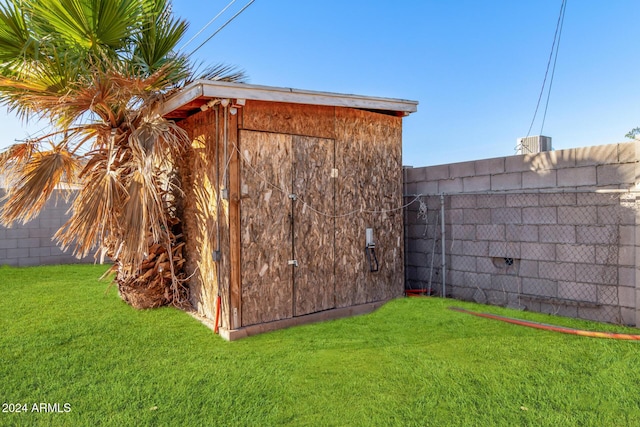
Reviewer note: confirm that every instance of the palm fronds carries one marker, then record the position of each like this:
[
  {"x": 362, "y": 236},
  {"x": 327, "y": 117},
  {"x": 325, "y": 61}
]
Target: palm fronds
[
  {"x": 94, "y": 25},
  {"x": 40, "y": 175},
  {"x": 96, "y": 70},
  {"x": 96, "y": 208},
  {"x": 16, "y": 42}
]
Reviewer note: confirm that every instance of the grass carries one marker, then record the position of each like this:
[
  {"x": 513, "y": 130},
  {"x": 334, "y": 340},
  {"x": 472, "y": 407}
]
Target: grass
[{"x": 67, "y": 338}]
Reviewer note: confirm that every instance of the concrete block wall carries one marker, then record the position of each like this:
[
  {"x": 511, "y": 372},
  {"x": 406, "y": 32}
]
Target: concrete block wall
[
  {"x": 551, "y": 232},
  {"x": 586, "y": 168},
  {"x": 31, "y": 243}
]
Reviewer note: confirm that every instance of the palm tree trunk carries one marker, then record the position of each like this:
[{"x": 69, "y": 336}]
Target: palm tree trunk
[{"x": 160, "y": 279}]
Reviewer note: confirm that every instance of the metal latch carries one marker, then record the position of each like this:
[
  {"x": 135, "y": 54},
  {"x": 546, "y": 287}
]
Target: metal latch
[
  {"x": 293, "y": 262},
  {"x": 293, "y": 196},
  {"x": 370, "y": 249}
]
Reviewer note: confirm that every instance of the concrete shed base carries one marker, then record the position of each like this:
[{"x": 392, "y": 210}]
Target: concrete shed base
[{"x": 336, "y": 313}]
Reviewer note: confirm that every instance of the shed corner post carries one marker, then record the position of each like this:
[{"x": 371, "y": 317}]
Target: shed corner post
[{"x": 235, "y": 294}]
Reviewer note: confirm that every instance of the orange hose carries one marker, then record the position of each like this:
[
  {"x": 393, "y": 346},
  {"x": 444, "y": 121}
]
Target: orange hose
[
  {"x": 217, "y": 323},
  {"x": 544, "y": 326},
  {"x": 415, "y": 292}
]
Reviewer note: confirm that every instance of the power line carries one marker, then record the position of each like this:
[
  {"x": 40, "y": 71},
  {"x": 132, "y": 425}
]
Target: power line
[
  {"x": 222, "y": 26},
  {"x": 555, "y": 59},
  {"x": 207, "y": 25},
  {"x": 556, "y": 41}
]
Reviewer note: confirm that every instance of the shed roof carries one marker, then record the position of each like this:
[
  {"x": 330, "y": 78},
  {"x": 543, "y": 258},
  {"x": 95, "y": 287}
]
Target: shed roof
[{"x": 190, "y": 99}]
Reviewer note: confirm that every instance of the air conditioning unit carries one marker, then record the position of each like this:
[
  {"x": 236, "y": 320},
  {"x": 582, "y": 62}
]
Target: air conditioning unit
[{"x": 533, "y": 144}]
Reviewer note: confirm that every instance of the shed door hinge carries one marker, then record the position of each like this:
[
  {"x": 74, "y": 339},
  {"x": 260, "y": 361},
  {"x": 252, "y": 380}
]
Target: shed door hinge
[
  {"x": 293, "y": 262},
  {"x": 293, "y": 196}
]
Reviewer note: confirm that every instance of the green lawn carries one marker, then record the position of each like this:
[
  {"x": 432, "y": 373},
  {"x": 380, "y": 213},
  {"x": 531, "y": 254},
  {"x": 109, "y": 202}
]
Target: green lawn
[{"x": 66, "y": 338}]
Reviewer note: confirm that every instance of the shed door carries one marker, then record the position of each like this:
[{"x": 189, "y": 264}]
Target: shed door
[
  {"x": 314, "y": 225},
  {"x": 265, "y": 216},
  {"x": 286, "y": 214}
]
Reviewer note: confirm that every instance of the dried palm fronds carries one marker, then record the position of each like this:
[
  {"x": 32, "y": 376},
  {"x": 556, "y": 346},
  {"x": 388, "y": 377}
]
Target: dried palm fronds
[
  {"x": 39, "y": 175},
  {"x": 96, "y": 71}
]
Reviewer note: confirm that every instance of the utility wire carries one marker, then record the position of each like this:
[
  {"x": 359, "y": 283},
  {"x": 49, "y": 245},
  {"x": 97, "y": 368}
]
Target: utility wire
[
  {"x": 285, "y": 192},
  {"x": 555, "y": 59},
  {"x": 207, "y": 25},
  {"x": 556, "y": 40},
  {"x": 222, "y": 26}
]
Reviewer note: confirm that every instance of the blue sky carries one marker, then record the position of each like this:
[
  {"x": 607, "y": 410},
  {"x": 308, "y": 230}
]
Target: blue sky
[{"x": 476, "y": 67}]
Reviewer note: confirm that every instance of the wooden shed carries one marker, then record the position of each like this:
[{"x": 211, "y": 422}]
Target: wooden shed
[{"x": 293, "y": 203}]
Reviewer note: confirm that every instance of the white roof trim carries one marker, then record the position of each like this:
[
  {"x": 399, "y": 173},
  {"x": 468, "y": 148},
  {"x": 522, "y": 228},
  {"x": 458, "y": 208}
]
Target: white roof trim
[{"x": 217, "y": 89}]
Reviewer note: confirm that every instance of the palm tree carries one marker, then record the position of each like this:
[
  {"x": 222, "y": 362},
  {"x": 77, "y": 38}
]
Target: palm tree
[{"x": 97, "y": 71}]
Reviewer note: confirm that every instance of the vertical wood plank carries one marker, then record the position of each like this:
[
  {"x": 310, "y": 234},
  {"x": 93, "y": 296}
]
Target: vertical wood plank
[
  {"x": 200, "y": 211},
  {"x": 225, "y": 261},
  {"x": 314, "y": 233},
  {"x": 235, "y": 314},
  {"x": 369, "y": 163},
  {"x": 267, "y": 285}
]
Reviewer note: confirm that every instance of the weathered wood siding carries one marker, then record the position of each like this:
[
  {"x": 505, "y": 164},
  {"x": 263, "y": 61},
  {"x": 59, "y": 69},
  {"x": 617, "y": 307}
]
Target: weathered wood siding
[
  {"x": 267, "y": 288},
  {"x": 277, "y": 228},
  {"x": 292, "y": 119},
  {"x": 232, "y": 183},
  {"x": 201, "y": 179},
  {"x": 369, "y": 163},
  {"x": 303, "y": 184},
  {"x": 314, "y": 225}
]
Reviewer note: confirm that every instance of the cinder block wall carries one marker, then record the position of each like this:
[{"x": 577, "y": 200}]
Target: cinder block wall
[
  {"x": 552, "y": 232},
  {"x": 31, "y": 243}
]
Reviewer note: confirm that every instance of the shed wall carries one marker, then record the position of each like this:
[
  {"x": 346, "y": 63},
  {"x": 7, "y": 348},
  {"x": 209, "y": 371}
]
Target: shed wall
[
  {"x": 341, "y": 164},
  {"x": 292, "y": 119},
  {"x": 340, "y": 186},
  {"x": 202, "y": 174},
  {"x": 368, "y": 195}
]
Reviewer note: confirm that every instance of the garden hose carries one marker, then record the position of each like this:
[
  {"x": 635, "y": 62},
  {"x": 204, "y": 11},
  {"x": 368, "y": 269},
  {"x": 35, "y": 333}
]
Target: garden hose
[{"x": 546, "y": 327}]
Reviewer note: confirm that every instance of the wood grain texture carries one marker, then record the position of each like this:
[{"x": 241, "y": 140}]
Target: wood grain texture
[
  {"x": 314, "y": 279},
  {"x": 267, "y": 288},
  {"x": 200, "y": 178},
  {"x": 332, "y": 266},
  {"x": 369, "y": 163},
  {"x": 235, "y": 245},
  {"x": 293, "y": 119}
]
